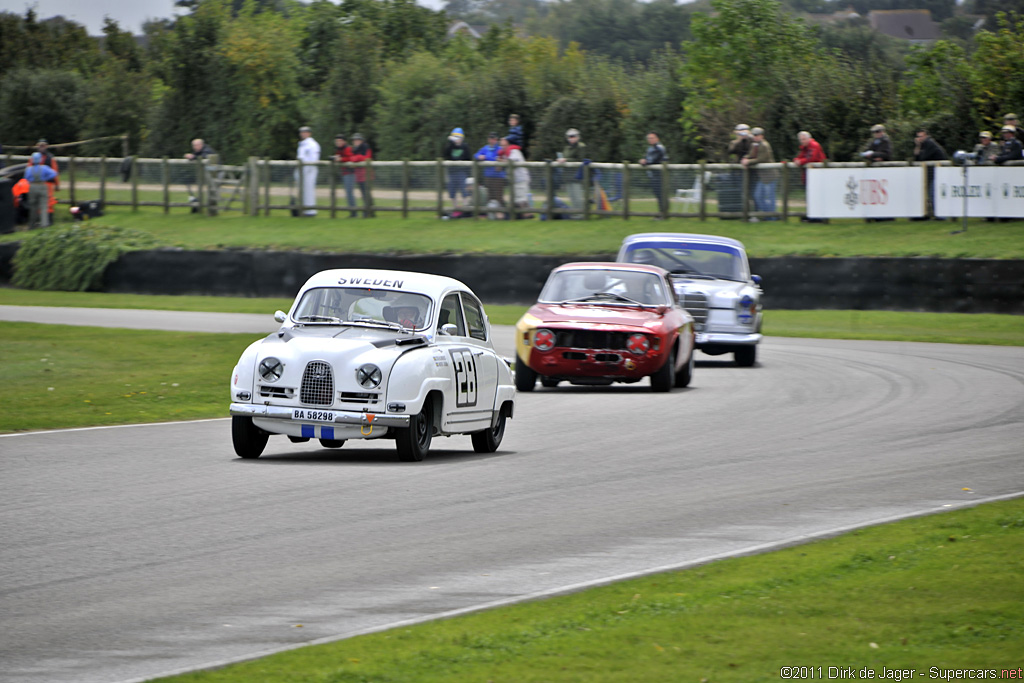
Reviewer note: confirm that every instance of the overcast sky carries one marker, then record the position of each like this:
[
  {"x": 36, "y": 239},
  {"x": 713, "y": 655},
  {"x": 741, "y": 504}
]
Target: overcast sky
[{"x": 128, "y": 13}]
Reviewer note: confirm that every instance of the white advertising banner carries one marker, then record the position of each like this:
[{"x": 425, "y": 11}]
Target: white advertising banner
[
  {"x": 869, "y": 192},
  {"x": 990, "y": 192}
]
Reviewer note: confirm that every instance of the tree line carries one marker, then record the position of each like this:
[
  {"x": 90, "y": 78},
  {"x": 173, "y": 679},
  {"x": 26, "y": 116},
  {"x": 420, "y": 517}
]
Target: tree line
[{"x": 245, "y": 74}]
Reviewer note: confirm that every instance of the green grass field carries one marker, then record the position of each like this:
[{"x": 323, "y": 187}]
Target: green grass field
[
  {"x": 942, "y": 591},
  {"x": 422, "y": 233}
]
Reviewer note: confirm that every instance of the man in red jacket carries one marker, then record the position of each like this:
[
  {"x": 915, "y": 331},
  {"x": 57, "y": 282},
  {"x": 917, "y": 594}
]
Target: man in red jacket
[{"x": 810, "y": 152}]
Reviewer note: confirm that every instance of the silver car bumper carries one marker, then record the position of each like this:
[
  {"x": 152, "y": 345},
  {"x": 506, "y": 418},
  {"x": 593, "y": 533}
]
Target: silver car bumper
[
  {"x": 727, "y": 338},
  {"x": 340, "y": 416}
]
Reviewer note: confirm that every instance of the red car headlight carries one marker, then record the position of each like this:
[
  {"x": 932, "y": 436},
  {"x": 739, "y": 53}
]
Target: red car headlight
[
  {"x": 638, "y": 344},
  {"x": 544, "y": 340}
]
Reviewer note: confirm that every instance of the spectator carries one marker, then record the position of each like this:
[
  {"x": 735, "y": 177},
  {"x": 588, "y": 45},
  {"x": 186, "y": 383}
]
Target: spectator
[
  {"x": 730, "y": 183},
  {"x": 926, "y": 149},
  {"x": 456, "y": 149},
  {"x": 361, "y": 152},
  {"x": 985, "y": 151},
  {"x": 880, "y": 147},
  {"x": 343, "y": 155},
  {"x": 39, "y": 175},
  {"x": 200, "y": 150},
  {"x": 740, "y": 144},
  {"x": 575, "y": 150},
  {"x": 1011, "y": 148},
  {"x": 1011, "y": 120},
  {"x": 494, "y": 176},
  {"x": 43, "y": 147},
  {"x": 520, "y": 174},
  {"x": 766, "y": 178},
  {"x": 515, "y": 132},
  {"x": 810, "y": 151},
  {"x": 308, "y": 153},
  {"x": 655, "y": 156}
]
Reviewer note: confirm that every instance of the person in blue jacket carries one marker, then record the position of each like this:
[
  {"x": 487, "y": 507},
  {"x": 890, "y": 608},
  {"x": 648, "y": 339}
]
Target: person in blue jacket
[
  {"x": 494, "y": 176},
  {"x": 38, "y": 175}
]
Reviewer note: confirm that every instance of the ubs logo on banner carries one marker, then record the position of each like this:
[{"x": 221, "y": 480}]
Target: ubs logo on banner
[{"x": 851, "y": 196}]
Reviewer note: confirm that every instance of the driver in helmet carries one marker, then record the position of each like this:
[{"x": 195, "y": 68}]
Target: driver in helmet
[{"x": 408, "y": 312}]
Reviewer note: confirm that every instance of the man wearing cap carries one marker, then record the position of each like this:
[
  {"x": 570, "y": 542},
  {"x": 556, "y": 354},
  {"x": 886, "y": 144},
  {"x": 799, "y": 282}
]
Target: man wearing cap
[
  {"x": 765, "y": 178},
  {"x": 880, "y": 147},
  {"x": 494, "y": 176},
  {"x": 985, "y": 151},
  {"x": 39, "y": 176},
  {"x": 456, "y": 149},
  {"x": 1011, "y": 149},
  {"x": 575, "y": 150},
  {"x": 43, "y": 147},
  {"x": 1011, "y": 120},
  {"x": 361, "y": 152},
  {"x": 308, "y": 153}
]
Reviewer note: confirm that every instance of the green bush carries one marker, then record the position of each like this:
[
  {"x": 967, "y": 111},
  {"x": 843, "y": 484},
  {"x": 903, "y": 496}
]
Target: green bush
[{"x": 74, "y": 258}]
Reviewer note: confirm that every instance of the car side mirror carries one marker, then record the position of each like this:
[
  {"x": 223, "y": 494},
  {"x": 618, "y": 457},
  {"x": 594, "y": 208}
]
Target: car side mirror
[
  {"x": 280, "y": 316},
  {"x": 450, "y": 329}
]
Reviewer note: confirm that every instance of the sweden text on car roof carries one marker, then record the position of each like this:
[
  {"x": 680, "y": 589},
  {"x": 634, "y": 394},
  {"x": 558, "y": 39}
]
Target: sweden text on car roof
[
  {"x": 420, "y": 283},
  {"x": 680, "y": 237}
]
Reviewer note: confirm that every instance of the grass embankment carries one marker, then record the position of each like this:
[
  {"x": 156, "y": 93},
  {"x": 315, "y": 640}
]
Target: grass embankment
[
  {"x": 422, "y": 233},
  {"x": 929, "y": 595}
]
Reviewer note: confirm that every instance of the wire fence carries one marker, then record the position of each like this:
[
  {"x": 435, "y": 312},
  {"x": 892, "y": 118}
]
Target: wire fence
[{"x": 447, "y": 189}]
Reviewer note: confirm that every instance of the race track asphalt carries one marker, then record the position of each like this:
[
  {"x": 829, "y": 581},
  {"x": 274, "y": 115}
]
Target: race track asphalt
[{"x": 130, "y": 552}]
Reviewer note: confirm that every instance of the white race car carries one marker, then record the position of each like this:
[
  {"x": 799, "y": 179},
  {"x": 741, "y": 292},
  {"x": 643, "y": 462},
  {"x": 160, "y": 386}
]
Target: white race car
[
  {"x": 369, "y": 354},
  {"x": 712, "y": 279}
]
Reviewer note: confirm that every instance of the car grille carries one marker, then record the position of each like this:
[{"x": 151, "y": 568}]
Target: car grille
[
  {"x": 590, "y": 339},
  {"x": 267, "y": 391},
  {"x": 697, "y": 304},
  {"x": 317, "y": 384}
]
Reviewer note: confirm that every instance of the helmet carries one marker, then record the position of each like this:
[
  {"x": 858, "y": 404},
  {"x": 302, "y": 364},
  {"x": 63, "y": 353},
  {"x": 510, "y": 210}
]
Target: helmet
[{"x": 409, "y": 310}]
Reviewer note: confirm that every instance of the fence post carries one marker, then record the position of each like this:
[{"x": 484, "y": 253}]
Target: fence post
[
  {"x": 134, "y": 173},
  {"x": 201, "y": 185},
  {"x": 511, "y": 187},
  {"x": 71, "y": 178},
  {"x": 745, "y": 197},
  {"x": 368, "y": 201},
  {"x": 785, "y": 189},
  {"x": 440, "y": 187},
  {"x": 266, "y": 189},
  {"x": 703, "y": 190},
  {"x": 405, "y": 188},
  {"x": 165, "y": 173},
  {"x": 103, "y": 179},
  {"x": 476, "y": 190},
  {"x": 625, "y": 189},
  {"x": 333, "y": 170},
  {"x": 664, "y": 190},
  {"x": 588, "y": 192}
]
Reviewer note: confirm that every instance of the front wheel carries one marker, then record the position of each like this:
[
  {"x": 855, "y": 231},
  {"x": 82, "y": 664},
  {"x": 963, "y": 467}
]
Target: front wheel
[
  {"x": 526, "y": 378},
  {"x": 413, "y": 441},
  {"x": 745, "y": 356},
  {"x": 685, "y": 376},
  {"x": 488, "y": 440},
  {"x": 665, "y": 377},
  {"x": 248, "y": 439}
]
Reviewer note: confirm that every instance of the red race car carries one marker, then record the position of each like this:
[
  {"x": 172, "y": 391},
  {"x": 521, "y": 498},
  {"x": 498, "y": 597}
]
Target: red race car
[{"x": 598, "y": 323}]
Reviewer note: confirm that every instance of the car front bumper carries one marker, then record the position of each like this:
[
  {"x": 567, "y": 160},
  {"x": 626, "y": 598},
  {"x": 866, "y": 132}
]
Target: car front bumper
[
  {"x": 726, "y": 339},
  {"x": 344, "y": 417}
]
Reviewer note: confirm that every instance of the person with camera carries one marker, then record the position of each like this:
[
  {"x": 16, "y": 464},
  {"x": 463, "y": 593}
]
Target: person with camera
[
  {"x": 986, "y": 150},
  {"x": 1011, "y": 149},
  {"x": 880, "y": 147}
]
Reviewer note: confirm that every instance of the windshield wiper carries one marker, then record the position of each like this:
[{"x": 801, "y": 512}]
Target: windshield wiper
[
  {"x": 600, "y": 296},
  {"x": 373, "y": 322},
  {"x": 313, "y": 318}
]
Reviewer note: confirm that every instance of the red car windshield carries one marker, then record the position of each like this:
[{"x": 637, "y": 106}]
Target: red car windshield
[{"x": 603, "y": 286}]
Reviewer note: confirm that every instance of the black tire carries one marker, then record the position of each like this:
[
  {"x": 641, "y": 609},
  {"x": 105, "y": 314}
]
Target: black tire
[
  {"x": 248, "y": 439},
  {"x": 548, "y": 382},
  {"x": 488, "y": 440},
  {"x": 526, "y": 378},
  {"x": 685, "y": 376},
  {"x": 413, "y": 442},
  {"x": 745, "y": 356},
  {"x": 298, "y": 439},
  {"x": 332, "y": 443},
  {"x": 665, "y": 377}
]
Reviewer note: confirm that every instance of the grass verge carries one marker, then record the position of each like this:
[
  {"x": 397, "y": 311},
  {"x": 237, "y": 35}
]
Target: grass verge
[
  {"x": 926, "y": 595},
  {"x": 425, "y": 234}
]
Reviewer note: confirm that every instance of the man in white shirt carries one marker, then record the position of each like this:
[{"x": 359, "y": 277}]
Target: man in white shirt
[{"x": 308, "y": 153}]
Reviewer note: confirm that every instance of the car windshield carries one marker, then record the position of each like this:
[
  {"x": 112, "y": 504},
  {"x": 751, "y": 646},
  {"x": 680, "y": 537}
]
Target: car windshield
[
  {"x": 690, "y": 258},
  {"x": 603, "y": 286},
  {"x": 363, "y": 306}
]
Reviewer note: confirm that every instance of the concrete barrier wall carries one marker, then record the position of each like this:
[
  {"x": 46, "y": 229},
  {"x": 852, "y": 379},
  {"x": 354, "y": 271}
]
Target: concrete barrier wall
[{"x": 907, "y": 284}]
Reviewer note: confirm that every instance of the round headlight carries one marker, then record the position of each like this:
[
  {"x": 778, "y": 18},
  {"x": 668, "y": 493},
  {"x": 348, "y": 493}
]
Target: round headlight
[
  {"x": 368, "y": 376},
  {"x": 544, "y": 340},
  {"x": 271, "y": 369},
  {"x": 638, "y": 344}
]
